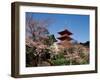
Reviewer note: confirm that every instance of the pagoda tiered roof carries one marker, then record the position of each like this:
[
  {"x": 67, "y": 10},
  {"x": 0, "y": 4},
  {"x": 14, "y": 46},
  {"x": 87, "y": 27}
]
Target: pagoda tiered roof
[
  {"x": 65, "y": 38},
  {"x": 65, "y": 32}
]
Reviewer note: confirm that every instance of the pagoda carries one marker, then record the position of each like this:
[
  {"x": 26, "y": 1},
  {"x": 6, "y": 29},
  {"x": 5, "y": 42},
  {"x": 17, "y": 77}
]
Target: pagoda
[{"x": 65, "y": 39}]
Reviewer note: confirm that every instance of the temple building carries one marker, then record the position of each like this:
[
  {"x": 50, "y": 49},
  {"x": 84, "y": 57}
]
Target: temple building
[{"x": 65, "y": 39}]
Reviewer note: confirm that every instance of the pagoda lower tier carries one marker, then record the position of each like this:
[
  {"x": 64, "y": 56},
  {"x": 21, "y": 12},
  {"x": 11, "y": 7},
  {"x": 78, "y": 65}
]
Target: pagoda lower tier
[{"x": 65, "y": 44}]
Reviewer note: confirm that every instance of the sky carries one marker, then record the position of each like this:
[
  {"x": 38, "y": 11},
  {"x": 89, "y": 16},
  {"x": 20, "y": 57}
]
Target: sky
[{"x": 77, "y": 24}]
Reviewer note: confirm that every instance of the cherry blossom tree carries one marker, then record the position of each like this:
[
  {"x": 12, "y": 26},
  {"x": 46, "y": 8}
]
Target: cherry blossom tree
[{"x": 37, "y": 29}]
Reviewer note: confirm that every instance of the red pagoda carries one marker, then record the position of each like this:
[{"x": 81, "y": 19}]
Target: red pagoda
[{"x": 65, "y": 39}]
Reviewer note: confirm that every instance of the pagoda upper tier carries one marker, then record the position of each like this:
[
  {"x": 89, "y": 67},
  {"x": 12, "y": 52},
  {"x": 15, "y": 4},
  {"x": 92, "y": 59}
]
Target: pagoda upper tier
[{"x": 65, "y": 32}]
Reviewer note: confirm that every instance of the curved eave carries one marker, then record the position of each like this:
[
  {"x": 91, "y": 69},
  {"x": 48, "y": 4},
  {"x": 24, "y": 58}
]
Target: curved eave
[
  {"x": 65, "y": 32},
  {"x": 65, "y": 38}
]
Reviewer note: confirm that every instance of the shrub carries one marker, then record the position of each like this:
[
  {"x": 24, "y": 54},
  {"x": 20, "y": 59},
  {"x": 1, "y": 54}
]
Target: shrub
[{"x": 59, "y": 62}]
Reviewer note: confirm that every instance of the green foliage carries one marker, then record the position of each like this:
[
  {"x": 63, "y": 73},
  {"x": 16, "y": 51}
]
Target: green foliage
[
  {"x": 30, "y": 56},
  {"x": 51, "y": 39},
  {"x": 74, "y": 62},
  {"x": 84, "y": 62},
  {"x": 82, "y": 55},
  {"x": 59, "y": 56},
  {"x": 60, "y": 60}
]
